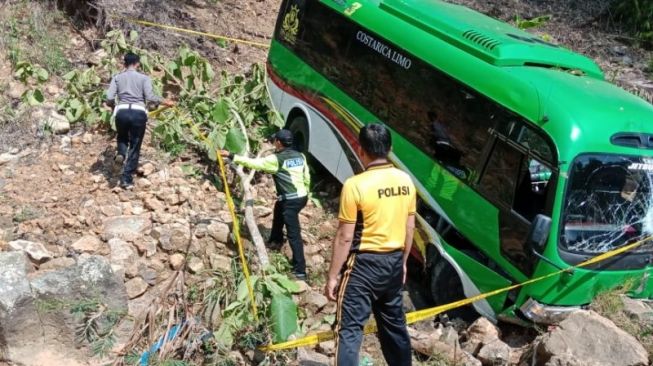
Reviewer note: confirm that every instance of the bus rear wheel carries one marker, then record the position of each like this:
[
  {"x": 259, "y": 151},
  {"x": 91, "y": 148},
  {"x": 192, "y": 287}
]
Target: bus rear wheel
[
  {"x": 446, "y": 287},
  {"x": 299, "y": 128}
]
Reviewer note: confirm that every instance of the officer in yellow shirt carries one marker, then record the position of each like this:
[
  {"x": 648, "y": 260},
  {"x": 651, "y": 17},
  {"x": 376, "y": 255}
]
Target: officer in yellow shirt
[{"x": 368, "y": 265}]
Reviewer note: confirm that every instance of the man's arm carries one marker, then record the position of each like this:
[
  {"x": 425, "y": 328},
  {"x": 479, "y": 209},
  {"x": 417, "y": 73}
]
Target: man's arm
[
  {"x": 268, "y": 164},
  {"x": 111, "y": 92},
  {"x": 408, "y": 243},
  {"x": 341, "y": 248},
  {"x": 148, "y": 92}
]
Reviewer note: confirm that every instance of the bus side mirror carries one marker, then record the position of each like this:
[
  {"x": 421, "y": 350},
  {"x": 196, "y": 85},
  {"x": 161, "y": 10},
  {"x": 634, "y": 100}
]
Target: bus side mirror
[{"x": 539, "y": 233}]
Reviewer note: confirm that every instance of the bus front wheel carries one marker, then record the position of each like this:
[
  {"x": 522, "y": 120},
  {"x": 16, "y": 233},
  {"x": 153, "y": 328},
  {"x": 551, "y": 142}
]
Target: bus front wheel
[{"x": 446, "y": 287}]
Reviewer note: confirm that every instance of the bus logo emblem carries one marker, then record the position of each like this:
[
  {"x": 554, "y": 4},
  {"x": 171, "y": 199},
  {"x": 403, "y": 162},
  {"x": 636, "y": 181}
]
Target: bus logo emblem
[{"x": 290, "y": 26}]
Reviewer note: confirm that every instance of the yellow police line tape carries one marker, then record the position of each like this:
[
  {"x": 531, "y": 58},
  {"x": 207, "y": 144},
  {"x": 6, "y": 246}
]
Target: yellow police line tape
[
  {"x": 420, "y": 315},
  {"x": 182, "y": 30},
  {"x": 230, "y": 204}
]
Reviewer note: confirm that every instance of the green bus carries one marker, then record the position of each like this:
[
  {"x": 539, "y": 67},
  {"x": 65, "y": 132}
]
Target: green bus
[{"x": 526, "y": 159}]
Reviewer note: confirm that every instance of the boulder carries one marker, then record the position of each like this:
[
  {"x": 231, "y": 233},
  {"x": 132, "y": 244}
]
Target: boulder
[
  {"x": 136, "y": 287},
  {"x": 146, "y": 169},
  {"x": 220, "y": 262},
  {"x": 637, "y": 310},
  {"x": 90, "y": 244},
  {"x": 585, "y": 337},
  {"x": 481, "y": 332},
  {"x": 219, "y": 231},
  {"x": 307, "y": 357},
  {"x": 154, "y": 204},
  {"x": 495, "y": 353},
  {"x": 36, "y": 251},
  {"x": 315, "y": 301},
  {"x": 176, "y": 261},
  {"x": 146, "y": 246},
  {"x": 195, "y": 265},
  {"x": 430, "y": 345},
  {"x": 127, "y": 228},
  {"x": 123, "y": 254},
  {"x": 56, "y": 123},
  {"x": 172, "y": 237}
]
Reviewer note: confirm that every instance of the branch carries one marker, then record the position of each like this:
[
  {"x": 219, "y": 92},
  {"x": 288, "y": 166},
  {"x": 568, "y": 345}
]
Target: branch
[{"x": 250, "y": 220}]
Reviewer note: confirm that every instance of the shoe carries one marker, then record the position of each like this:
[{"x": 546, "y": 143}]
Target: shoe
[
  {"x": 299, "y": 276},
  {"x": 119, "y": 159},
  {"x": 126, "y": 186},
  {"x": 274, "y": 245}
]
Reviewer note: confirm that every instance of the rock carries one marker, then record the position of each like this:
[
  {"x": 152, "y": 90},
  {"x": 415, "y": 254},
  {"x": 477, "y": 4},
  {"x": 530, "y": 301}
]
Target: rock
[
  {"x": 481, "y": 332},
  {"x": 262, "y": 211},
  {"x": 172, "y": 237},
  {"x": 172, "y": 199},
  {"x": 303, "y": 287},
  {"x": 126, "y": 227},
  {"x": 53, "y": 329},
  {"x": 56, "y": 123},
  {"x": 146, "y": 246},
  {"x": 90, "y": 244},
  {"x": 219, "y": 231},
  {"x": 139, "y": 305},
  {"x": 496, "y": 353},
  {"x": 57, "y": 263},
  {"x": 36, "y": 251},
  {"x": 307, "y": 357},
  {"x": 177, "y": 261},
  {"x": 136, "y": 287},
  {"x": 315, "y": 300},
  {"x": 87, "y": 138},
  {"x": 143, "y": 183},
  {"x": 449, "y": 335},
  {"x": 637, "y": 310},
  {"x": 195, "y": 265},
  {"x": 146, "y": 169},
  {"x": 429, "y": 345},
  {"x": 149, "y": 275},
  {"x": 585, "y": 337},
  {"x": 154, "y": 204},
  {"x": 111, "y": 210},
  {"x": 96, "y": 57},
  {"x": 16, "y": 90},
  {"x": 220, "y": 262},
  {"x": 14, "y": 287},
  {"x": 123, "y": 254},
  {"x": 7, "y": 157},
  {"x": 327, "y": 348}
]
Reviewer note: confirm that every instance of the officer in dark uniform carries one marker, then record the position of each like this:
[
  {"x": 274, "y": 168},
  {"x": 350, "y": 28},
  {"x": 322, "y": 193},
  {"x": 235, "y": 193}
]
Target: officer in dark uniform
[
  {"x": 133, "y": 90},
  {"x": 368, "y": 265},
  {"x": 291, "y": 176}
]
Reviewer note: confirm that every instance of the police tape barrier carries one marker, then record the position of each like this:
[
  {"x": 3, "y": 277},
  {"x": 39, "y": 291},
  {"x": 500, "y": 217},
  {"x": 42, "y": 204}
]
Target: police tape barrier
[
  {"x": 420, "y": 315},
  {"x": 197, "y": 33},
  {"x": 230, "y": 204}
]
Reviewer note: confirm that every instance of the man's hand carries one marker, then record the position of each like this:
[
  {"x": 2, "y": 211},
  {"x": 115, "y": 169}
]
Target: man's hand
[
  {"x": 330, "y": 289},
  {"x": 168, "y": 103},
  {"x": 224, "y": 153}
]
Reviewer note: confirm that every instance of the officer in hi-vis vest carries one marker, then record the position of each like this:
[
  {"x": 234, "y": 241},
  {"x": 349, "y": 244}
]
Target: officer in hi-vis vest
[
  {"x": 368, "y": 264},
  {"x": 291, "y": 176}
]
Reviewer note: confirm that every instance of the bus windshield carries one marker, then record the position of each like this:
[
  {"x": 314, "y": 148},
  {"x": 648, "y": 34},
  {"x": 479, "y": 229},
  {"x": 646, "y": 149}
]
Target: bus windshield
[{"x": 608, "y": 203}]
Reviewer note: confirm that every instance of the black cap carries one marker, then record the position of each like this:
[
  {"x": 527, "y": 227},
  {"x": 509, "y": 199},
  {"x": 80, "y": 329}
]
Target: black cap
[{"x": 284, "y": 136}]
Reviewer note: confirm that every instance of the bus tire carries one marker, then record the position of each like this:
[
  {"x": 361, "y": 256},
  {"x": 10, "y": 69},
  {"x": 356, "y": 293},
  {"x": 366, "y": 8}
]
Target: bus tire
[
  {"x": 446, "y": 287},
  {"x": 299, "y": 128}
]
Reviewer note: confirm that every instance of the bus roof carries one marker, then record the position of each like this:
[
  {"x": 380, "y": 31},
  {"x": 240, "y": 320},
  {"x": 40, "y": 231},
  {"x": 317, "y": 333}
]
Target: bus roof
[{"x": 494, "y": 41}]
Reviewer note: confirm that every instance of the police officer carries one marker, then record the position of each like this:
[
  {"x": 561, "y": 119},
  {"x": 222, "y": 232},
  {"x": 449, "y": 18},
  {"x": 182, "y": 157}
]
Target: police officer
[
  {"x": 133, "y": 89},
  {"x": 372, "y": 244},
  {"x": 291, "y": 176}
]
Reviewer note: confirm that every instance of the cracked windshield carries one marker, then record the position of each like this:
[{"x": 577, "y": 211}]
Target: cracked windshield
[{"x": 608, "y": 203}]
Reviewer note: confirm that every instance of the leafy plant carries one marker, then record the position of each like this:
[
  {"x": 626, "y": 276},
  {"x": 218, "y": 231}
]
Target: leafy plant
[
  {"x": 636, "y": 16},
  {"x": 522, "y": 23}
]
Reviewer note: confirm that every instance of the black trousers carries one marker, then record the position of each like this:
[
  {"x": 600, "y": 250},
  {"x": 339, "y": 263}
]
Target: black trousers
[
  {"x": 286, "y": 213},
  {"x": 372, "y": 282},
  {"x": 130, "y": 124}
]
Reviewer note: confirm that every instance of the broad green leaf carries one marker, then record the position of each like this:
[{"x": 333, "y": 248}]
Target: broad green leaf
[
  {"x": 42, "y": 74},
  {"x": 216, "y": 140},
  {"x": 20, "y": 73},
  {"x": 283, "y": 315},
  {"x": 220, "y": 112},
  {"x": 75, "y": 103},
  {"x": 242, "y": 289},
  {"x": 236, "y": 141},
  {"x": 202, "y": 107},
  {"x": 208, "y": 73},
  {"x": 285, "y": 282},
  {"x": 122, "y": 43},
  {"x": 38, "y": 96},
  {"x": 133, "y": 36},
  {"x": 224, "y": 337}
]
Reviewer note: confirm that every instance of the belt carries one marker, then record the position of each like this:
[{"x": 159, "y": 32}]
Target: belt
[
  {"x": 289, "y": 196},
  {"x": 137, "y": 107}
]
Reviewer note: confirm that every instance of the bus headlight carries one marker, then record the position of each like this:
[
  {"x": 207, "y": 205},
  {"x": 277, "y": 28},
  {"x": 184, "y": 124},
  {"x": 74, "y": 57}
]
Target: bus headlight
[{"x": 545, "y": 314}]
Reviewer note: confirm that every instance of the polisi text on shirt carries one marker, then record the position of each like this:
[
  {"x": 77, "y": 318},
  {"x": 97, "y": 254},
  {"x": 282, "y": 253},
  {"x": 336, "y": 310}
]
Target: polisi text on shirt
[{"x": 394, "y": 191}]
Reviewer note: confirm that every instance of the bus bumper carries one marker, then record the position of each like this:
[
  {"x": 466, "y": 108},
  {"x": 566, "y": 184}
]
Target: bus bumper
[{"x": 546, "y": 314}]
